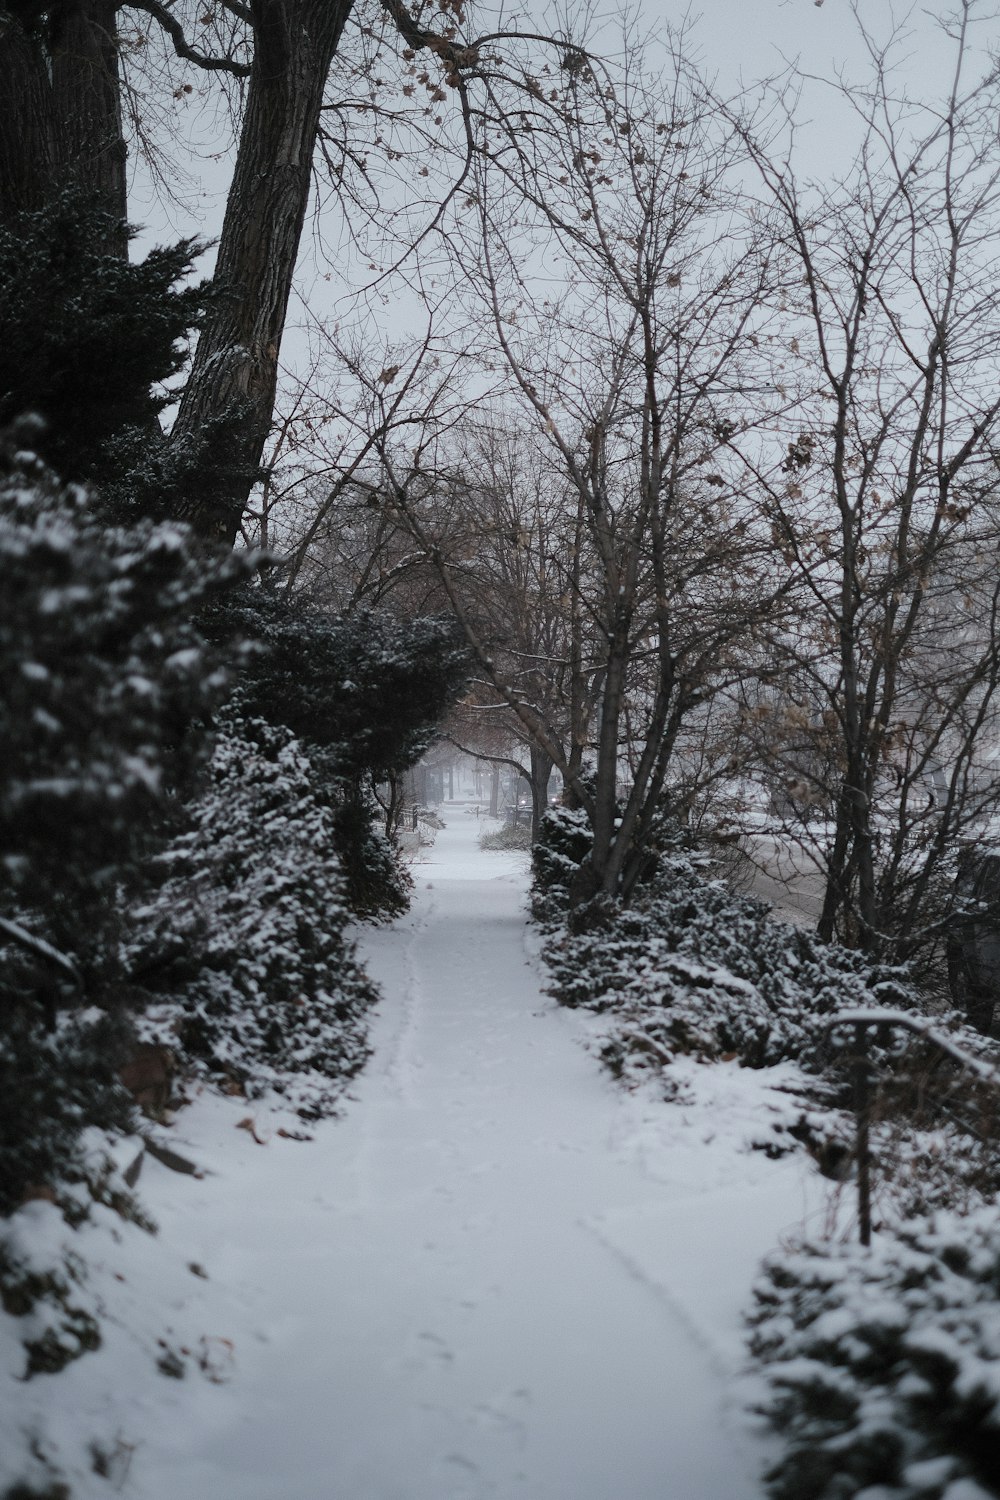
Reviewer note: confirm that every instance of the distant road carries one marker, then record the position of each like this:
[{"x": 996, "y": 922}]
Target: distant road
[{"x": 786, "y": 876}]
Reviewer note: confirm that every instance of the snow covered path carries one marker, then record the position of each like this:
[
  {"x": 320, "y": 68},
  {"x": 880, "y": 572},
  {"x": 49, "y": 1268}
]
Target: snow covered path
[
  {"x": 497, "y": 1276},
  {"x": 472, "y": 1294},
  {"x": 499, "y": 1345}
]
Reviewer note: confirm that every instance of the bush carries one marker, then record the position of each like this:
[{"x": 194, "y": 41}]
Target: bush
[
  {"x": 516, "y": 837},
  {"x": 90, "y": 338},
  {"x": 376, "y": 884},
  {"x": 55, "y": 1084},
  {"x": 883, "y": 1366},
  {"x": 363, "y": 694},
  {"x": 48, "y": 1290},
  {"x": 563, "y": 843},
  {"x": 689, "y": 967},
  {"x": 103, "y": 673},
  {"x": 245, "y": 936},
  {"x": 367, "y": 688}
]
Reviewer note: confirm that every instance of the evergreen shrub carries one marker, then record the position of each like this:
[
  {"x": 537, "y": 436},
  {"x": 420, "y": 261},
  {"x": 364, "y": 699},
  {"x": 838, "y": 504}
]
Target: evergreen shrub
[
  {"x": 91, "y": 342},
  {"x": 377, "y": 884},
  {"x": 56, "y": 1083},
  {"x": 363, "y": 694},
  {"x": 563, "y": 843},
  {"x": 103, "y": 673},
  {"x": 244, "y": 940},
  {"x": 103, "y": 670},
  {"x": 368, "y": 688},
  {"x": 515, "y": 838},
  {"x": 882, "y": 1366},
  {"x": 689, "y": 967}
]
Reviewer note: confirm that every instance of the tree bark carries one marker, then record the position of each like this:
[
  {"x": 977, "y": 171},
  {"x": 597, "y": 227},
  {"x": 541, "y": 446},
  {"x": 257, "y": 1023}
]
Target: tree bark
[
  {"x": 26, "y": 140},
  {"x": 541, "y": 775},
  {"x": 60, "y": 111},
  {"x": 231, "y": 389},
  {"x": 86, "y": 97}
]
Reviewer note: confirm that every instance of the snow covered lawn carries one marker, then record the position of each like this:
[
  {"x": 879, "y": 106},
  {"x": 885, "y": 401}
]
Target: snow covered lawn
[{"x": 497, "y": 1275}]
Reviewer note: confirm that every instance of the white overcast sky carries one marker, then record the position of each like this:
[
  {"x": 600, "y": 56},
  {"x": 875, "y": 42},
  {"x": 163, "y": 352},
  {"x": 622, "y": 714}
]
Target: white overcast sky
[
  {"x": 752, "y": 36},
  {"x": 734, "y": 40},
  {"x": 746, "y": 40}
]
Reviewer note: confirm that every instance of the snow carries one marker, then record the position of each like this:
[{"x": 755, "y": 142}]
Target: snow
[
  {"x": 498, "y": 1274},
  {"x": 905, "y": 1020}
]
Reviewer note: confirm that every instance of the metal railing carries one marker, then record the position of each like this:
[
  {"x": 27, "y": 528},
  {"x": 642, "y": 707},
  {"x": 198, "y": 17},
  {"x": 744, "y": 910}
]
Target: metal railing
[{"x": 862, "y": 1022}]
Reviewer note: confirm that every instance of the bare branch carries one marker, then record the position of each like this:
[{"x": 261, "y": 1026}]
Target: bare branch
[{"x": 182, "y": 46}]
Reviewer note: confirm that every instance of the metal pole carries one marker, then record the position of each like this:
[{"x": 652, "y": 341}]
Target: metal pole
[{"x": 862, "y": 1111}]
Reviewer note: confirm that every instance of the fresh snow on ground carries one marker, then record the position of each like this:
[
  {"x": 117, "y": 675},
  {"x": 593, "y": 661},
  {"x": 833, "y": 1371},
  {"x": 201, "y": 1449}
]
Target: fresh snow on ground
[{"x": 498, "y": 1274}]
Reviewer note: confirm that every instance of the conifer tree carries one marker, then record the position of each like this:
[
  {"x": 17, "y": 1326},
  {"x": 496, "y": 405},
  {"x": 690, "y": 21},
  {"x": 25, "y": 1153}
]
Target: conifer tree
[{"x": 91, "y": 344}]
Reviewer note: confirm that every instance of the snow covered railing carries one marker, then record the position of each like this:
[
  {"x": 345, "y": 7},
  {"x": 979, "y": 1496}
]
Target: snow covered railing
[
  {"x": 903, "y": 1018},
  {"x": 862, "y": 1021},
  {"x": 409, "y": 817}
]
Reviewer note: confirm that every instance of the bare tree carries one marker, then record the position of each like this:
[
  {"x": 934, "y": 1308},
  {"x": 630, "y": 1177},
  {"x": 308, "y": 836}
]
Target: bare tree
[
  {"x": 303, "y": 93},
  {"x": 60, "y": 106},
  {"x": 513, "y": 549},
  {"x": 883, "y": 508},
  {"x": 626, "y": 294}
]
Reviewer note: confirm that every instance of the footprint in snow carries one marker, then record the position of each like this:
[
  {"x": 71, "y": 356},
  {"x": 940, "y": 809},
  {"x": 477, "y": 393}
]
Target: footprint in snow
[
  {"x": 424, "y": 1351},
  {"x": 461, "y": 1462},
  {"x": 507, "y": 1414}
]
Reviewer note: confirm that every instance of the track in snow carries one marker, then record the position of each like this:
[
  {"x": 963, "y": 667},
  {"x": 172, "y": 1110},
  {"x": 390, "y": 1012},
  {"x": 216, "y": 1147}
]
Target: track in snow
[{"x": 486, "y": 1280}]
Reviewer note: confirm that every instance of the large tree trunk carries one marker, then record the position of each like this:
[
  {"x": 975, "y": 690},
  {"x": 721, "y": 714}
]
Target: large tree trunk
[
  {"x": 60, "y": 111},
  {"x": 26, "y": 139},
  {"x": 599, "y": 872},
  {"x": 541, "y": 775},
  {"x": 86, "y": 92},
  {"x": 231, "y": 388}
]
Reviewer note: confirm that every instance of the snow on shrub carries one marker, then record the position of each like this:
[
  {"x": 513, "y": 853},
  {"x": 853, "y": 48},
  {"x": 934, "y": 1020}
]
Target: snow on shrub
[
  {"x": 376, "y": 882},
  {"x": 43, "y": 1284},
  {"x": 103, "y": 672},
  {"x": 562, "y": 844},
  {"x": 364, "y": 693},
  {"x": 245, "y": 935},
  {"x": 689, "y": 967},
  {"x": 882, "y": 1366},
  {"x": 514, "y": 838},
  {"x": 55, "y": 1083}
]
